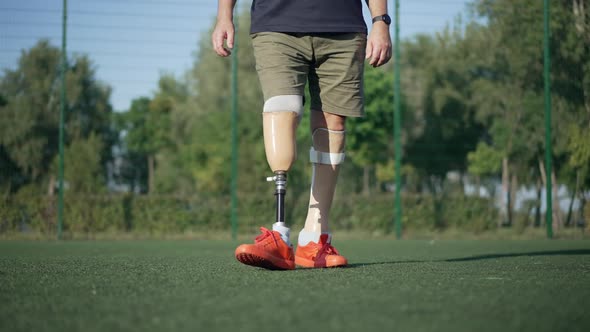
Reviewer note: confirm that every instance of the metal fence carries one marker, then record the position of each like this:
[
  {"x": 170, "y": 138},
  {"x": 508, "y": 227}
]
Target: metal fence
[{"x": 429, "y": 176}]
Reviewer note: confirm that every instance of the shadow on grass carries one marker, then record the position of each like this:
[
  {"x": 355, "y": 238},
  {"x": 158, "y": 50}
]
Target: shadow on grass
[
  {"x": 534, "y": 253},
  {"x": 482, "y": 257}
]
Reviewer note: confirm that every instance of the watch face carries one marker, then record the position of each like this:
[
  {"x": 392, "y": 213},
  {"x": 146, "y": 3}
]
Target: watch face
[{"x": 386, "y": 19}]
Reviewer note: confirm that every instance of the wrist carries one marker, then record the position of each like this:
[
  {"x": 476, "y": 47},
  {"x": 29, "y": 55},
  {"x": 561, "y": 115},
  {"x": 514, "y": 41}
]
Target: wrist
[
  {"x": 225, "y": 18},
  {"x": 385, "y": 19},
  {"x": 381, "y": 25},
  {"x": 380, "y": 28}
]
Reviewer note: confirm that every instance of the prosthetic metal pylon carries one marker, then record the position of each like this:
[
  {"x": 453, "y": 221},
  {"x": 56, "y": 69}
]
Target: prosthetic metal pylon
[{"x": 280, "y": 179}]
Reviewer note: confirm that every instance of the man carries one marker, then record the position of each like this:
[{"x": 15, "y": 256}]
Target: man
[{"x": 322, "y": 43}]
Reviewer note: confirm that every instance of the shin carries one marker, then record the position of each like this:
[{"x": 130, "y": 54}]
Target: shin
[{"x": 326, "y": 155}]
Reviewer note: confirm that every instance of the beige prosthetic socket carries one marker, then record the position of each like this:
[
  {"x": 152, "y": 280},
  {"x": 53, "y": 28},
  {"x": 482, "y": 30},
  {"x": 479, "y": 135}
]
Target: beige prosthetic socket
[
  {"x": 279, "y": 121},
  {"x": 326, "y": 155}
]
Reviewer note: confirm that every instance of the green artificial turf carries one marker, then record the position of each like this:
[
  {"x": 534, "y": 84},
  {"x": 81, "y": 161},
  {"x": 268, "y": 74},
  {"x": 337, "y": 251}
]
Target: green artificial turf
[{"x": 389, "y": 286}]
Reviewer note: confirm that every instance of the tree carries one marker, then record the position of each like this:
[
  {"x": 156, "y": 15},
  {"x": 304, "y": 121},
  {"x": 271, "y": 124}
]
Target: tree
[
  {"x": 84, "y": 173},
  {"x": 449, "y": 130},
  {"x": 517, "y": 85},
  {"x": 210, "y": 138},
  {"x": 368, "y": 138},
  {"x": 30, "y": 112},
  {"x": 135, "y": 147},
  {"x": 484, "y": 161},
  {"x": 146, "y": 131}
]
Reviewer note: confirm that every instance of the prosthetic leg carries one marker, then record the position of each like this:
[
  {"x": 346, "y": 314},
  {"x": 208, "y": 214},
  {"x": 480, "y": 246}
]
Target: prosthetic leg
[{"x": 280, "y": 120}]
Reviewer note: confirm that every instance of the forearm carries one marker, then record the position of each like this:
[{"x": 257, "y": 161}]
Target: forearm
[
  {"x": 225, "y": 9},
  {"x": 379, "y": 43},
  {"x": 377, "y": 7}
]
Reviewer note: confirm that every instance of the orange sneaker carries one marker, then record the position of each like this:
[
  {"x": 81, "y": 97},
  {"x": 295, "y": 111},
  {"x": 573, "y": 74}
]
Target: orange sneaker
[
  {"x": 269, "y": 251},
  {"x": 320, "y": 254}
]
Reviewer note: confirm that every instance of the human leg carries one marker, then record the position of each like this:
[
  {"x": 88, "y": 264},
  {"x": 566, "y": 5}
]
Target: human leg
[
  {"x": 327, "y": 153},
  {"x": 336, "y": 88},
  {"x": 282, "y": 76}
]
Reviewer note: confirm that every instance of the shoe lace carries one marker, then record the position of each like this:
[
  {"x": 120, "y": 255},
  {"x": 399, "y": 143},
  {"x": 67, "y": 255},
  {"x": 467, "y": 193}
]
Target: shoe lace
[
  {"x": 328, "y": 249},
  {"x": 265, "y": 234}
]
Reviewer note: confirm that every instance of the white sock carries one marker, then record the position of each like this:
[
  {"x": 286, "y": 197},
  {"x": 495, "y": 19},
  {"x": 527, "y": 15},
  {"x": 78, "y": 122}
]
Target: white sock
[
  {"x": 284, "y": 230},
  {"x": 306, "y": 237}
]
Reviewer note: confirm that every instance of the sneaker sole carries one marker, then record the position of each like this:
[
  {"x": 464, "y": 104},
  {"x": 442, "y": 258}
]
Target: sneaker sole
[
  {"x": 310, "y": 264},
  {"x": 258, "y": 261}
]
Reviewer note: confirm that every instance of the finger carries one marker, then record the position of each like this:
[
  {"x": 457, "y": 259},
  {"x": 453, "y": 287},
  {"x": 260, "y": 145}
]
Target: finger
[
  {"x": 382, "y": 57},
  {"x": 230, "y": 39},
  {"x": 219, "y": 49},
  {"x": 217, "y": 40},
  {"x": 214, "y": 41},
  {"x": 368, "y": 50},
  {"x": 387, "y": 56},
  {"x": 375, "y": 58}
]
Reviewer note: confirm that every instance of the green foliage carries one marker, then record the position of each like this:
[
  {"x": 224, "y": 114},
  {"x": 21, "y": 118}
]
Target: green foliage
[
  {"x": 579, "y": 144},
  {"x": 385, "y": 172},
  {"x": 93, "y": 214},
  {"x": 29, "y": 129},
  {"x": 30, "y": 111},
  {"x": 28, "y": 211},
  {"x": 579, "y": 159},
  {"x": 445, "y": 117},
  {"x": 137, "y": 131},
  {"x": 510, "y": 98},
  {"x": 485, "y": 160},
  {"x": 369, "y": 138},
  {"x": 83, "y": 171}
]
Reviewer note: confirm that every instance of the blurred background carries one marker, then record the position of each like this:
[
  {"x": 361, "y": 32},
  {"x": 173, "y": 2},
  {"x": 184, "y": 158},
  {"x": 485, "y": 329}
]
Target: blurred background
[{"x": 148, "y": 124}]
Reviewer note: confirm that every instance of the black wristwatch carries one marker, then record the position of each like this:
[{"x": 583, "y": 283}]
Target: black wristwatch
[{"x": 385, "y": 18}]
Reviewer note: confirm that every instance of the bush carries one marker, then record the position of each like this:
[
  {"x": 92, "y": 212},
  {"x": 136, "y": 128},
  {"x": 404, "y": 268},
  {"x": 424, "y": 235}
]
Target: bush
[{"x": 158, "y": 215}]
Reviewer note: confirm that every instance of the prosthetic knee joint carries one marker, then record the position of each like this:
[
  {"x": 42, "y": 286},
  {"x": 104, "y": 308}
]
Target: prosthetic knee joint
[{"x": 280, "y": 120}]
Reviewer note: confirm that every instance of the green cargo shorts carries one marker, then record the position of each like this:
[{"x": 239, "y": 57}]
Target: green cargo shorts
[{"x": 332, "y": 63}]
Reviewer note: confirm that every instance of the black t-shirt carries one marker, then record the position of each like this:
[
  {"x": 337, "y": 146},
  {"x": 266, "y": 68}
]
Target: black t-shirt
[{"x": 307, "y": 16}]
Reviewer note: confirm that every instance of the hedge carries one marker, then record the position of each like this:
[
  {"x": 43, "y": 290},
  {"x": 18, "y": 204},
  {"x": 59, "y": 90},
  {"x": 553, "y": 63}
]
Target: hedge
[{"x": 152, "y": 214}]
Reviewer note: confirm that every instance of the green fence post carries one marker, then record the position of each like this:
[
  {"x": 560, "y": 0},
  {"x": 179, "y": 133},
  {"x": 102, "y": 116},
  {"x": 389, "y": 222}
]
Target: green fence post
[
  {"x": 397, "y": 128},
  {"x": 548, "y": 149},
  {"x": 234, "y": 136},
  {"x": 60, "y": 199}
]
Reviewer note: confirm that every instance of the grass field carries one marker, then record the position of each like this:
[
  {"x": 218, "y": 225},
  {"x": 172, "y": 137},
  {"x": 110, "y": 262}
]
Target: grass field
[{"x": 389, "y": 286}]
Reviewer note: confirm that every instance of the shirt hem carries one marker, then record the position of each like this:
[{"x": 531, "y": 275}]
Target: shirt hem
[{"x": 309, "y": 29}]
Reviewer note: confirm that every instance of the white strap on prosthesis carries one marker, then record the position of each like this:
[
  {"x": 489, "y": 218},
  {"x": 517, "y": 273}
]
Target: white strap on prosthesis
[
  {"x": 326, "y": 158},
  {"x": 284, "y": 103}
]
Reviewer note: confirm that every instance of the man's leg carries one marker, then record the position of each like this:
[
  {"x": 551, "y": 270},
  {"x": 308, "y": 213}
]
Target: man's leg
[
  {"x": 327, "y": 153},
  {"x": 282, "y": 64},
  {"x": 328, "y": 136},
  {"x": 335, "y": 84},
  {"x": 280, "y": 118}
]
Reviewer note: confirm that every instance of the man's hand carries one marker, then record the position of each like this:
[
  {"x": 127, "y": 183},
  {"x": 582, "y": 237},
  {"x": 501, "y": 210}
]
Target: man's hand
[
  {"x": 224, "y": 30},
  {"x": 378, "y": 45}
]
